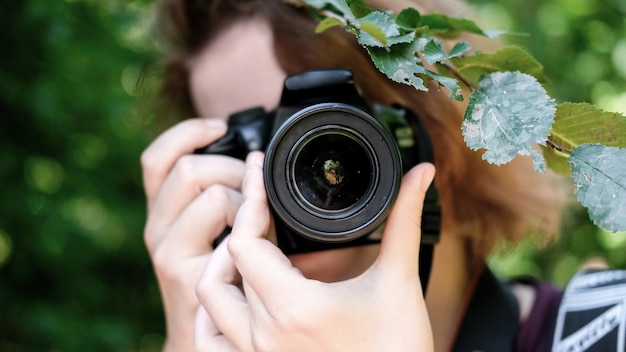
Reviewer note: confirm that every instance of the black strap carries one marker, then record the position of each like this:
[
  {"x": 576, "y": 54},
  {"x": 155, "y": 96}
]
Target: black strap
[{"x": 492, "y": 318}]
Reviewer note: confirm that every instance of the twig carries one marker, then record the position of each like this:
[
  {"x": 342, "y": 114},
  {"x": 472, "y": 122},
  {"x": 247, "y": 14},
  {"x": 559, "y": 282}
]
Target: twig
[
  {"x": 458, "y": 75},
  {"x": 558, "y": 147}
]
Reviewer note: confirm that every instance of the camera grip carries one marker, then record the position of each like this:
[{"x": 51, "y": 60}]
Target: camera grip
[{"x": 248, "y": 130}]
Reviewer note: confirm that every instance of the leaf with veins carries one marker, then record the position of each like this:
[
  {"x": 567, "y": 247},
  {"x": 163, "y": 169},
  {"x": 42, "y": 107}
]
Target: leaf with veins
[
  {"x": 600, "y": 177},
  {"x": 507, "y": 115}
]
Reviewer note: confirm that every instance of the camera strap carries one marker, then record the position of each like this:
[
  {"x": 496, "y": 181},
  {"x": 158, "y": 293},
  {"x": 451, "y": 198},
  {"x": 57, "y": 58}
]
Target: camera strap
[
  {"x": 431, "y": 213},
  {"x": 491, "y": 318}
]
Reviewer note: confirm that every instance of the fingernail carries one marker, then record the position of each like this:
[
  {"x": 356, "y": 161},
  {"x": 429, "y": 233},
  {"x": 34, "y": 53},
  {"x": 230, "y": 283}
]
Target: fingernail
[
  {"x": 256, "y": 159},
  {"x": 215, "y": 123}
]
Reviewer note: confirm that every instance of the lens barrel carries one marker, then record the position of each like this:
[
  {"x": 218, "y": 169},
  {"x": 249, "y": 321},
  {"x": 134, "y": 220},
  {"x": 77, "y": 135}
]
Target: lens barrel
[{"x": 332, "y": 172}]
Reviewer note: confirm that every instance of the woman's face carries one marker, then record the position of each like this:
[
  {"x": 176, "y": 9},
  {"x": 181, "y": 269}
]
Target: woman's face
[{"x": 239, "y": 70}]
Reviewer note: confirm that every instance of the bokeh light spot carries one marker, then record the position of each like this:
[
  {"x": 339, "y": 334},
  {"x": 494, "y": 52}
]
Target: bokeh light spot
[
  {"x": 6, "y": 246},
  {"x": 88, "y": 213},
  {"x": 600, "y": 36},
  {"x": 495, "y": 17},
  {"x": 618, "y": 57},
  {"x": 44, "y": 174},
  {"x": 588, "y": 67},
  {"x": 552, "y": 20}
]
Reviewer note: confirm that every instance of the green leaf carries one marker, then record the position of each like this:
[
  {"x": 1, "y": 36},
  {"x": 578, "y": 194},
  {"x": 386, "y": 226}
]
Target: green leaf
[
  {"x": 375, "y": 29},
  {"x": 450, "y": 83},
  {"x": 339, "y": 7},
  {"x": 434, "y": 51},
  {"x": 580, "y": 123},
  {"x": 600, "y": 178},
  {"x": 359, "y": 8},
  {"x": 327, "y": 23},
  {"x": 408, "y": 18},
  {"x": 510, "y": 112},
  {"x": 404, "y": 38},
  {"x": 371, "y": 35},
  {"x": 556, "y": 160},
  {"x": 449, "y": 25},
  {"x": 511, "y": 58},
  {"x": 401, "y": 64}
]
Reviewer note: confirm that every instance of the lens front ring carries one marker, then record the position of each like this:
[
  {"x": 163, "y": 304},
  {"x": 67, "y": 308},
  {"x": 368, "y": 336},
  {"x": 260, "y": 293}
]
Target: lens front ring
[{"x": 341, "y": 225}]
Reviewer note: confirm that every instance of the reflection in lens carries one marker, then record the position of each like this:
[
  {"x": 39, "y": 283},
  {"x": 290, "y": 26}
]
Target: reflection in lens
[{"x": 333, "y": 170}]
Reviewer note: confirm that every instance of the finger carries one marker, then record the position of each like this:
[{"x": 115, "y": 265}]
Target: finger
[
  {"x": 207, "y": 337},
  {"x": 192, "y": 175},
  {"x": 177, "y": 281},
  {"x": 399, "y": 251},
  {"x": 159, "y": 158},
  {"x": 199, "y": 224},
  {"x": 223, "y": 300},
  {"x": 262, "y": 265}
]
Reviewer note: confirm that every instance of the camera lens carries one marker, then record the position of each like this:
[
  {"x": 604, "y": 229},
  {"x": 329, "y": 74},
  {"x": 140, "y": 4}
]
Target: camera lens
[
  {"x": 331, "y": 172},
  {"x": 331, "y": 169}
]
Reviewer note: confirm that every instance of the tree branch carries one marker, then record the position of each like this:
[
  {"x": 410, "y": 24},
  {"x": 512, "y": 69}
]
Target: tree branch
[
  {"x": 557, "y": 147},
  {"x": 459, "y": 76}
]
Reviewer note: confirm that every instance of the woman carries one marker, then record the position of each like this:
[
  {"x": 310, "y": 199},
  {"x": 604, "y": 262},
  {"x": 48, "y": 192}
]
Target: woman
[{"x": 235, "y": 54}]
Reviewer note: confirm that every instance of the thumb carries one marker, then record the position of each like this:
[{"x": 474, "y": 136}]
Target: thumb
[{"x": 399, "y": 251}]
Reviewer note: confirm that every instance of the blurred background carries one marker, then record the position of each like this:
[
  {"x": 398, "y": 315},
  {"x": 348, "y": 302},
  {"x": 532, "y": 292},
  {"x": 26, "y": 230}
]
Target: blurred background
[{"x": 76, "y": 81}]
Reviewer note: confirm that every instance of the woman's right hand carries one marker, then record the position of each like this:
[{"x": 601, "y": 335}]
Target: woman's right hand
[{"x": 191, "y": 199}]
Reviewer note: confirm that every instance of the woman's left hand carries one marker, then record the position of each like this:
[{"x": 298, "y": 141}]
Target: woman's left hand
[{"x": 254, "y": 299}]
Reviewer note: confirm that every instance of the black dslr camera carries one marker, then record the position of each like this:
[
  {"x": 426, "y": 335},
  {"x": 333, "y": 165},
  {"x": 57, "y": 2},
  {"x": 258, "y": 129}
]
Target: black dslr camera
[{"x": 332, "y": 170}]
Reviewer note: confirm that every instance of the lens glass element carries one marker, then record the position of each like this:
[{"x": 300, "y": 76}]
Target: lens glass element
[{"x": 332, "y": 169}]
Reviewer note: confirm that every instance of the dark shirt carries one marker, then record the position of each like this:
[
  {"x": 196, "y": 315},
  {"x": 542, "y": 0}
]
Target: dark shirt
[
  {"x": 535, "y": 334},
  {"x": 491, "y": 321}
]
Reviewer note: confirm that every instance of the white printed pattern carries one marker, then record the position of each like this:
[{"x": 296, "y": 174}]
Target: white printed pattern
[{"x": 591, "y": 298}]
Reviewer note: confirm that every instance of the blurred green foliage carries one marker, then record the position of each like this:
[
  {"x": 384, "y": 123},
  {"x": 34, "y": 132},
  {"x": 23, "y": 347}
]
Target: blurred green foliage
[
  {"x": 581, "y": 44},
  {"x": 74, "y": 274}
]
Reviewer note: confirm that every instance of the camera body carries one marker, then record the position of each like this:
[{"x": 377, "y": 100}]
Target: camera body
[{"x": 333, "y": 162}]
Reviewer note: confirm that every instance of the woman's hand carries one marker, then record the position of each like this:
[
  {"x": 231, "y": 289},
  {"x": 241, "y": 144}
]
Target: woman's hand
[
  {"x": 280, "y": 310},
  {"x": 191, "y": 199}
]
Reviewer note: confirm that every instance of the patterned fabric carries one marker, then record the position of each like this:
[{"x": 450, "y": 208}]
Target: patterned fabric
[{"x": 592, "y": 315}]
